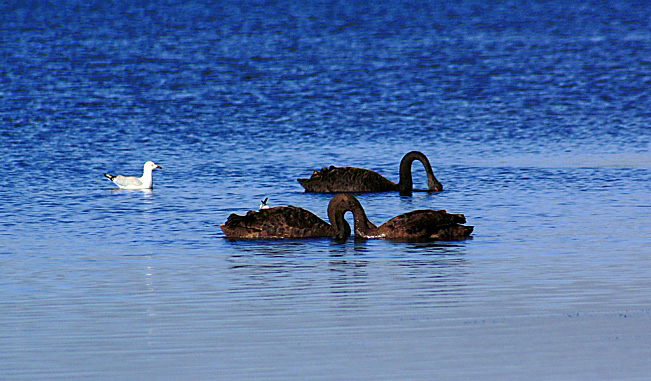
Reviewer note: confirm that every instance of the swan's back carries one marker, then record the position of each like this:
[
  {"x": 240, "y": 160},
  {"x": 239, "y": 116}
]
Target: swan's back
[
  {"x": 276, "y": 223},
  {"x": 426, "y": 225},
  {"x": 346, "y": 179}
]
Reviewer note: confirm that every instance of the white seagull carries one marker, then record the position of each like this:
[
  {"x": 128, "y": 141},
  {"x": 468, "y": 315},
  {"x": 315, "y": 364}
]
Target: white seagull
[{"x": 144, "y": 182}]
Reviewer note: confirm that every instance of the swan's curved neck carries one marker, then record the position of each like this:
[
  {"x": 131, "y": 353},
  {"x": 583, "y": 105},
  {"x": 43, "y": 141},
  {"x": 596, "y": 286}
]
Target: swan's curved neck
[
  {"x": 338, "y": 207},
  {"x": 406, "y": 183}
]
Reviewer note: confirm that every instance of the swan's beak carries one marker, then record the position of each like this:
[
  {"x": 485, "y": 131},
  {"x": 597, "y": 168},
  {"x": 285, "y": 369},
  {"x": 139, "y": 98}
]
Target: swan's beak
[{"x": 159, "y": 167}]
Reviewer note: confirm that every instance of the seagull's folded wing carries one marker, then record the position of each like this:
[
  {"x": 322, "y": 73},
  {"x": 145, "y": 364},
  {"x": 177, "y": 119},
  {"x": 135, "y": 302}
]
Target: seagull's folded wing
[{"x": 124, "y": 181}]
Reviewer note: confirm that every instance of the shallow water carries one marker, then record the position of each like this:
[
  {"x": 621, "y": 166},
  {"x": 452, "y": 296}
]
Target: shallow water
[{"x": 534, "y": 116}]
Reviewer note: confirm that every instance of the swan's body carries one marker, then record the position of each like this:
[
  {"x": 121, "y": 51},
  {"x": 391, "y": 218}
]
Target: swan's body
[
  {"x": 348, "y": 179},
  {"x": 419, "y": 225},
  {"x": 145, "y": 181},
  {"x": 287, "y": 222}
]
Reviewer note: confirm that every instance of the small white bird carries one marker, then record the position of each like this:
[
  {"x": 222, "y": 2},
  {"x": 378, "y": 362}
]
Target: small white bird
[
  {"x": 264, "y": 205},
  {"x": 146, "y": 181}
]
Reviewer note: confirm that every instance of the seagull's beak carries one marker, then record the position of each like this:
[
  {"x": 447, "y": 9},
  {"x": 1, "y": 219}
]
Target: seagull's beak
[{"x": 159, "y": 167}]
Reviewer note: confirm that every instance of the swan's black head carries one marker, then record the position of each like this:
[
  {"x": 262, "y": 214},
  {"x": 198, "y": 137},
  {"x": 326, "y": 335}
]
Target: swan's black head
[
  {"x": 343, "y": 230},
  {"x": 434, "y": 185}
]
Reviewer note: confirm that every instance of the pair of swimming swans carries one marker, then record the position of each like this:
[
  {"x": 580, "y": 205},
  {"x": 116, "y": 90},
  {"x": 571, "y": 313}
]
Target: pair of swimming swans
[{"x": 289, "y": 222}]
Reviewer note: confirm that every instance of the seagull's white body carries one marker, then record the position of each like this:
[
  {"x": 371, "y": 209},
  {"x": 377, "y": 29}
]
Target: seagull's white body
[{"x": 146, "y": 181}]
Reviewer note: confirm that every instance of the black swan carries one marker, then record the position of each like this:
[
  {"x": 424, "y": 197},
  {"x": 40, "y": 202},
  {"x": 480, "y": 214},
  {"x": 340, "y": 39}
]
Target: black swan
[
  {"x": 348, "y": 179},
  {"x": 419, "y": 225},
  {"x": 285, "y": 222}
]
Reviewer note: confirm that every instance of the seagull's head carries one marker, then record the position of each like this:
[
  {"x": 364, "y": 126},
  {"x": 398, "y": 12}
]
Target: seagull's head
[{"x": 150, "y": 165}]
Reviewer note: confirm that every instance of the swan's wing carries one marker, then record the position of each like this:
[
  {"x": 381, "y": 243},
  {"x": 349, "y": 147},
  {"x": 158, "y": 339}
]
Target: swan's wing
[
  {"x": 346, "y": 179},
  {"x": 423, "y": 224},
  {"x": 124, "y": 181},
  {"x": 428, "y": 218},
  {"x": 286, "y": 216},
  {"x": 276, "y": 223}
]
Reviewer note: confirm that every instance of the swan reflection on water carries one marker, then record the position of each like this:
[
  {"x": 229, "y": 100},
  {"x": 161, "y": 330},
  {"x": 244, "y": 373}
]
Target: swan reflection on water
[{"x": 349, "y": 276}]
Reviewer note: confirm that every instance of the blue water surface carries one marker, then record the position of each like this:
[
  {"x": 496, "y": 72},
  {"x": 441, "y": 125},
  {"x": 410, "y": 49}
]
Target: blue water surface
[{"x": 535, "y": 116}]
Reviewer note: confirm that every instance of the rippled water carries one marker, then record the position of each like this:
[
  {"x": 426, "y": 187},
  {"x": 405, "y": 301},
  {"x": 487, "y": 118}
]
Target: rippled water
[{"x": 534, "y": 115}]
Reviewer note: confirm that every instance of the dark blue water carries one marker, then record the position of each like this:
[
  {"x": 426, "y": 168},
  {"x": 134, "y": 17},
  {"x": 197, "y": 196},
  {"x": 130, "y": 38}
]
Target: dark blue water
[{"x": 535, "y": 116}]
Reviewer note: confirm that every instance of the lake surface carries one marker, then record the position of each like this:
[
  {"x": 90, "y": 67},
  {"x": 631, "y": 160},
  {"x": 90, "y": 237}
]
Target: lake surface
[{"x": 535, "y": 116}]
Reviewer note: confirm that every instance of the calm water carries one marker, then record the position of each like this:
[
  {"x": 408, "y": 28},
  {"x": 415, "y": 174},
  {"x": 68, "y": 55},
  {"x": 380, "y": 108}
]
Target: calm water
[{"x": 536, "y": 118}]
